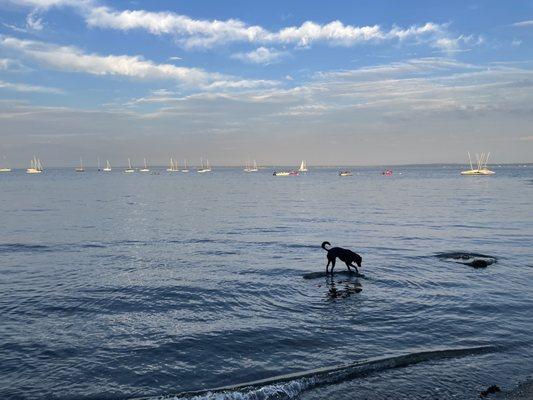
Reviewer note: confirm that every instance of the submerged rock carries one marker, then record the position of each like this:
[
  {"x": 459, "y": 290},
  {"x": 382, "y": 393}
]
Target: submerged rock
[
  {"x": 479, "y": 264},
  {"x": 490, "y": 390},
  {"x": 474, "y": 260}
]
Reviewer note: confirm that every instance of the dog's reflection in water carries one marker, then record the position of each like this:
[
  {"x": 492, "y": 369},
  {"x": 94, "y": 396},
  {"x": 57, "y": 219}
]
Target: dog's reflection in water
[{"x": 348, "y": 288}]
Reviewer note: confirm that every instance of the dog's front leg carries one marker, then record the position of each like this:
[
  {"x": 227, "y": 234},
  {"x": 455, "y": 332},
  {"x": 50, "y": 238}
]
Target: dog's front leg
[
  {"x": 329, "y": 261},
  {"x": 356, "y": 270}
]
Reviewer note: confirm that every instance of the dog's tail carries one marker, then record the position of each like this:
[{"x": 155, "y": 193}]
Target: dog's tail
[{"x": 324, "y": 244}]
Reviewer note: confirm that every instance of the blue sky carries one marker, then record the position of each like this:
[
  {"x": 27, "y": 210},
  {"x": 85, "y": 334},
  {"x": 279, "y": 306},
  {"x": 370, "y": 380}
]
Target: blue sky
[{"x": 338, "y": 82}]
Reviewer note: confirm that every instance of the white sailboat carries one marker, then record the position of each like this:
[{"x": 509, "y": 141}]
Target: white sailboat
[
  {"x": 80, "y": 168},
  {"x": 129, "y": 170},
  {"x": 185, "y": 168},
  {"x": 35, "y": 166},
  {"x": 145, "y": 169},
  {"x": 251, "y": 168},
  {"x": 107, "y": 166},
  {"x": 204, "y": 168},
  {"x": 5, "y": 169},
  {"x": 482, "y": 168},
  {"x": 303, "y": 166},
  {"x": 173, "y": 166}
]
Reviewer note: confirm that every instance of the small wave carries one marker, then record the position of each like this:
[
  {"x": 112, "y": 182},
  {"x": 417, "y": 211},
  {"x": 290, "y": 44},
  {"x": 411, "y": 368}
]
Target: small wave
[
  {"x": 21, "y": 247},
  {"x": 93, "y": 246},
  {"x": 292, "y": 385},
  {"x": 301, "y": 246},
  {"x": 37, "y": 209}
]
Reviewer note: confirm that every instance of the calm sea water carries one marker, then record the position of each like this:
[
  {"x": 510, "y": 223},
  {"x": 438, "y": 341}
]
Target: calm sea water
[{"x": 116, "y": 286}]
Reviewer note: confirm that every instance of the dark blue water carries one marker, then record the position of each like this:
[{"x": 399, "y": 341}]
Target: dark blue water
[{"x": 116, "y": 286}]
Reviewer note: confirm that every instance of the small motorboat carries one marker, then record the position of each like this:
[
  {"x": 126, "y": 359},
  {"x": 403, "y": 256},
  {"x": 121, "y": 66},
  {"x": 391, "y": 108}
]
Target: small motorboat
[
  {"x": 286, "y": 173},
  {"x": 345, "y": 173},
  {"x": 387, "y": 172}
]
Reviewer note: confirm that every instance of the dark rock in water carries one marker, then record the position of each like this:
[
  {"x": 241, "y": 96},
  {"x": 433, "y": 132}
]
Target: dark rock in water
[
  {"x": 474, "y": 260},
  {"x": 490, "y": 390},
  {"x": 479, "y": 264}
]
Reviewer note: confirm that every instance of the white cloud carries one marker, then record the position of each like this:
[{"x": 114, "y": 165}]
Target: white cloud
[
  {"x": 6, "y": 63},
  {"x": 22, "y": 87},
  {"x": 452, "y": 45},
  {"x": 201, "y": 33},
  {"x": 524, "y": 24},
  {"x": 72, "y": 59},
  {"x": 261, "y": 55},
  {"x": 175, "y": 58},
  {"x": 34, "y": 22},
  {"x": 207, "y": 33}
]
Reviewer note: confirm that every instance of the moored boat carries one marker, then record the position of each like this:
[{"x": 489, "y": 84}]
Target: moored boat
[
  {"x": 35, "y": 166},
  {"x": 145, "y": 169},
  {"x": 80, "y": 168},
  {"x": 482, "y": 168},
  {"x": 129, "y": 170}
]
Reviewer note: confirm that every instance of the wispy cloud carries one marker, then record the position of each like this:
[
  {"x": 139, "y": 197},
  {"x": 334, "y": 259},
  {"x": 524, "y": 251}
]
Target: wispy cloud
[
  {"x": 45, "y": 4},
  {"x": 72, "y": 59},
  {"x": 428, "y": 87},
  {"x": 524, "y": 24},
  {"x": 22, "y": 87},
  {"x": 7, "y": 64},
  {"x": 261, "y": 55}
]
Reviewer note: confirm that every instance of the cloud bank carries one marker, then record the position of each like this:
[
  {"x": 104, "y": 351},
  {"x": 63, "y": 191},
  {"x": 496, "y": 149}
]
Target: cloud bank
[{"x": 72, "y": 59}]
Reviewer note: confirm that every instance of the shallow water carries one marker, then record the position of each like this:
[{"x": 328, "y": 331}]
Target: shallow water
[{"x": 118, "y": 286}]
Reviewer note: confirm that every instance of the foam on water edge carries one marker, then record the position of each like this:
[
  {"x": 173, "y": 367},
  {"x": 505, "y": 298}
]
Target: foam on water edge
[{"x": 291, "y": 385}]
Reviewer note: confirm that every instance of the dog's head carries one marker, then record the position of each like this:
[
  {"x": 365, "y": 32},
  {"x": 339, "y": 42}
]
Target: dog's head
[{"x": 358, "y": 260}]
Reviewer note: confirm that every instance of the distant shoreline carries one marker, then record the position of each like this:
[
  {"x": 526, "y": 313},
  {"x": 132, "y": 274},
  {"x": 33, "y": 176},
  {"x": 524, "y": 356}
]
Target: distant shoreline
[{"x": 311, "y": 166}]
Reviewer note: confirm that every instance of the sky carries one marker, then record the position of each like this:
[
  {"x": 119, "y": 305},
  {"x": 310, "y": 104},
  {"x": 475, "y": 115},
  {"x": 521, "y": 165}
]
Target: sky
[{"x": 334, "y": 83}]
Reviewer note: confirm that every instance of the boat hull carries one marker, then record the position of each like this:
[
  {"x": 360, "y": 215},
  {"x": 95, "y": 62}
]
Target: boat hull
[{"x": 473, "y": 172}]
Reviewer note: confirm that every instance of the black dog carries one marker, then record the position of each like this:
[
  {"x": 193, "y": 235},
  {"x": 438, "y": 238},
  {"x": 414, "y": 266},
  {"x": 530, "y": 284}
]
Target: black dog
[{"x": 345, "y": 255}]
